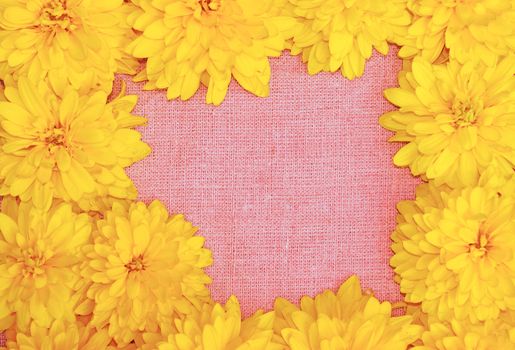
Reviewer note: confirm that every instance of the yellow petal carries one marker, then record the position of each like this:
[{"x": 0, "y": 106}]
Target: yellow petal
[{"x": 401, "y": 97}]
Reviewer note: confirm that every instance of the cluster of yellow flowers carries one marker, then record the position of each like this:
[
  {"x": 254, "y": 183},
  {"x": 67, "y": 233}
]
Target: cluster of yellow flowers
[
  {"x": 85, "y": 266},
  {"x": 454, "y": 245}
]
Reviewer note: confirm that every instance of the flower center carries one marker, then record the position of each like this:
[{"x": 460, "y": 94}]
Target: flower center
[
  {"x": 55, "y": 15},
  {"x": 479, "y": 248},
  {"x": 466, "y": 112},
  {"x": 54, "y": 137},
  {"x": 32, "y": 263},
  {"x": 209, "y": 5},
  {"x": 136, "y": 264}
]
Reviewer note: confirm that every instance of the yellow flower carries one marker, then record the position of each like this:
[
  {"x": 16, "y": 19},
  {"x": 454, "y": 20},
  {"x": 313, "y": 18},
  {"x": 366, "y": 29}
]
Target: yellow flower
[
  {"x": 457, "y": 120},
  {"x": 455, "y": 252},
  {"x": 340, "y": 34},
  {"x": 74, "y": 148},
  {"x": 60, "y": 336},
  {"x": 471, "y": 30},
  {"x": 217, "y": 327},
  {"x": 144, "y": 268},
  {"x": 77, "y": 42},
  {"x": 456, "y": 334},
  {"x": 40, "y": 254},
  {"x": 189, "y": 42},
  {"x": 463, "y": 335},
  {"x": 346, "y": 320}
]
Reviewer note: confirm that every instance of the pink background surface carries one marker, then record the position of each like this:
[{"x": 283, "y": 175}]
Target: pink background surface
[{"x": 293, "y": 193}]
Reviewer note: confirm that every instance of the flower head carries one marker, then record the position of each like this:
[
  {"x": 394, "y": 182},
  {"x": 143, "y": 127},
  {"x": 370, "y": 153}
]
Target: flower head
[
  {"x": 60, "y": 336},
  {"x": 340, "y": 34},
  {"x": 40, "y": 253},
  {"x": 350, "y": 320},
  {"x": 464, "y": 335},
  {"x": 470, "y": 30},
  {"x": 217, "y": 327},
  {"x": 189, "y": 42},
  {"x": 144, "y": 268},
  {"x": 73, "y": 147},
  {"x": 77, "y": 42},
  {"x": 457, "y": 119},
  {"x": 455, "y": 253}
]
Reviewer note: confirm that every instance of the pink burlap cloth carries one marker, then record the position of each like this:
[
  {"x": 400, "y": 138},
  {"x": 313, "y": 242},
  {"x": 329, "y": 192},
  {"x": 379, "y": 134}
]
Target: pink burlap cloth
[{"x": 293, "y": 193}]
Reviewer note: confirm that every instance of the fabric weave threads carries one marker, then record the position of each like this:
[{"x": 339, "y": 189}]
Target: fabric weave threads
[{"x": 294, "y": 192}]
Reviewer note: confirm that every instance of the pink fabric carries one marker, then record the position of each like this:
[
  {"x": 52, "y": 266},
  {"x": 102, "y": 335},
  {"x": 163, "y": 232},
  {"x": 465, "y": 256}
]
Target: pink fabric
[{"x": 293, "y": 193}]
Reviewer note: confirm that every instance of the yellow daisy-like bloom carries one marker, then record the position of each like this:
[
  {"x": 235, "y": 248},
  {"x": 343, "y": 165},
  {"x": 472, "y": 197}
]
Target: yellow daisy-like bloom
[
  {"x": 189, "y": 42},
  {"x": 340, "y": 34},
  {"x": 455, "y": 252},
  {"x": 77, "y": 42},
  {"x": 457, "y": 120},
  {"x": 144, "y": 268},
  {"x": 491, "y": 334},
  {"x": 74, "y": 148},
  {"x": 40, "y": 253},
  {"x": 348, "y": 320},
  {"x": 471, "y": 30},
  {"x": 60, "y": 336},
  {"x": 217, "y": 327},
  {"x": 462, "y": 334}
]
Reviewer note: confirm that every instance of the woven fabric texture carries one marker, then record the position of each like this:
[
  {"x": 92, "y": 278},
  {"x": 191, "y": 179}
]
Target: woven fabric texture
[{"x": 293, "y": 193}]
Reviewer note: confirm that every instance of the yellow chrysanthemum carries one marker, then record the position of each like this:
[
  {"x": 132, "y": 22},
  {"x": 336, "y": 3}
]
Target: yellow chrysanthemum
[
  {"x": 340, "y": 34},
  {"x": 455, "y": 252},
  {"x": 60, "y": 336},
  {"x": 77, "y": 42},
  {"x": 471, "y": 30},
  {"x": 347, "y": 320},
  {"x": 217, "y": 327},
  {"x": 188, "y": 42},
  {"x": 40, "y": 254},
  {"x": 456, "y": 334},
  {"x": 144, "y": 268},
  {"x": 74, "y": 148},
  {"x": 457, "y": 120},
  {"x": 489, "y": 335}
]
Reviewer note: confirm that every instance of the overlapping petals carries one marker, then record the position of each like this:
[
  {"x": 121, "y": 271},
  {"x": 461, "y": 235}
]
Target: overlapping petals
[
  {"x": 143, "y": 269},
  {"x": 192, "y": 42},
  {"x": 59, "y": 336},
  {"x": 349, "y": 319},
  {"x": 217, "y": 327},
  {"x": 457, "y": 120},
  {"x": 84, "y": 267},
  {"x": 455, "y": 253},
  {"x": 73, "y": 147},
  {"x": 66, "y": 42},
  {"x": 40, "y": 255},
  {"x": 340, "y": 35},
  {"x": 458, "y": 335},
  {"x": 468, "y": 31}
]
